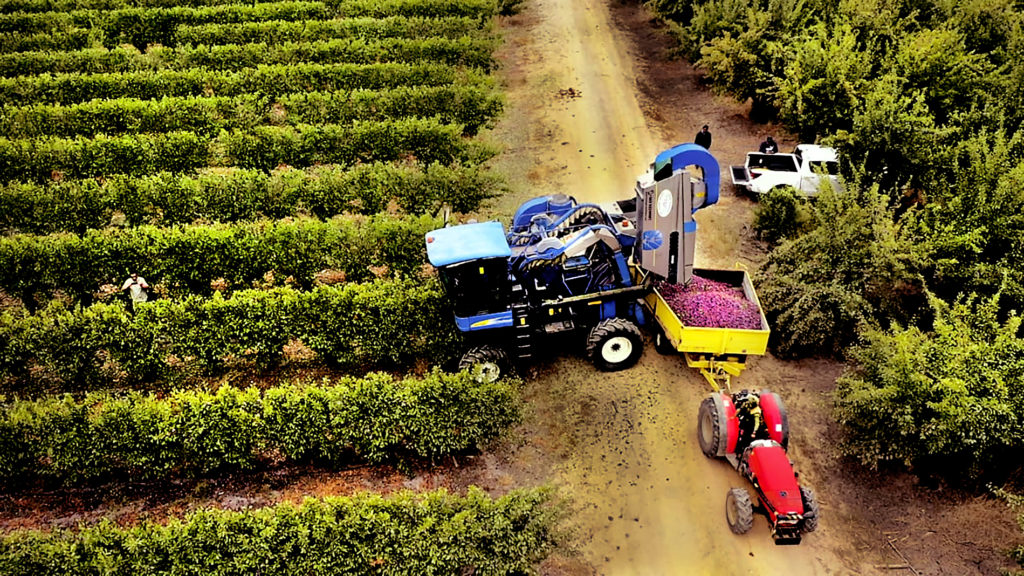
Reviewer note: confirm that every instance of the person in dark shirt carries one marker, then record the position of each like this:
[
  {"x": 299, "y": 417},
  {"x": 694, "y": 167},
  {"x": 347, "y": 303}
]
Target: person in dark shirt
[
  {"x": 703, "y": 138},
  {"x": 769, "y": 146}
]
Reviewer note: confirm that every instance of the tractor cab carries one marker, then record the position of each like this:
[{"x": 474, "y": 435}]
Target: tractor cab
[{"x": 472, "y": 263}]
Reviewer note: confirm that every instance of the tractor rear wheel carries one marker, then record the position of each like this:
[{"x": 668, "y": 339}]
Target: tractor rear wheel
[
  {"x": 739, "y": 512},
  {"x": 783, "y": 416},
  {"x": 810, "y": 509},
  {"x": 486, "y": 363},
  {"x": 615, "y": 344},
  {"x": 662, "y": 343},
  {"x": 711, "y": 426}
]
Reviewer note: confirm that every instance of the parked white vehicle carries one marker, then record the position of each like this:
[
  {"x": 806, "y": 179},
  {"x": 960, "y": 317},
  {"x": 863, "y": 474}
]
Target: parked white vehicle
[{"x": 803, "y": 170}]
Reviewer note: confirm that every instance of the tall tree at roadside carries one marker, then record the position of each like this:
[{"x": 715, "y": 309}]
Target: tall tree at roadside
[
  {"x": 854, "y": 269},
  {"x": 948, "y": 400}
]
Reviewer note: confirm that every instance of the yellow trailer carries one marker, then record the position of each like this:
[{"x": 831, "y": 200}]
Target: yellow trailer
[{"x": 719, "y": 353}]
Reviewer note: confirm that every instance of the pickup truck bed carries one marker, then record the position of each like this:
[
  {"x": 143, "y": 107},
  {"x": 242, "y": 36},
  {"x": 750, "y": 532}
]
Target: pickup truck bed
[{"x": 740, "y": 175}]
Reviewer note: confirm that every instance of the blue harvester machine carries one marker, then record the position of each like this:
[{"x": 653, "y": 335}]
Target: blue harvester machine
[{"x": 566, "y": 269}]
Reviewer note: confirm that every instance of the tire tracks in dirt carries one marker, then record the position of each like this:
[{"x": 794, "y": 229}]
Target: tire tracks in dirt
[{"x": 623, "y": 444}]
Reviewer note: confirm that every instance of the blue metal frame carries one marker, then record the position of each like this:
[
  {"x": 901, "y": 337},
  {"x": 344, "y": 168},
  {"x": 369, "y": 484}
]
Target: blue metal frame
[
  {"x": 484, "y": 321},
  {"x": 693, "y": 155}
]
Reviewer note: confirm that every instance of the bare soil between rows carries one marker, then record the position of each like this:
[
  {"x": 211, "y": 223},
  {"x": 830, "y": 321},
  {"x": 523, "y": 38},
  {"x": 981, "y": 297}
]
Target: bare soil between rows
[{"x": 592, "y": 95}]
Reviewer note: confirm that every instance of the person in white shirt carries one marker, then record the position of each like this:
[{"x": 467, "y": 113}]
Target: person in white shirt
[{"x": 136, "y": 286}]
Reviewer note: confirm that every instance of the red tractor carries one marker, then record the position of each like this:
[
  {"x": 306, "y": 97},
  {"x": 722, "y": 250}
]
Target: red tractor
[{"x": 751, "y": 431}]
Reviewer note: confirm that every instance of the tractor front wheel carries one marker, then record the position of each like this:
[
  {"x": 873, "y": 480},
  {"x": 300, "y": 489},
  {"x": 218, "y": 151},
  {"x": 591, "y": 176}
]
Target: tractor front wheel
[
  {"x": 711, "y": 433},
  {"x": 615, "y": 344},
  {"x": 739, "y": 512},
  {"x": 810, "y": 509},
  {"x": 486, "y": 363}
]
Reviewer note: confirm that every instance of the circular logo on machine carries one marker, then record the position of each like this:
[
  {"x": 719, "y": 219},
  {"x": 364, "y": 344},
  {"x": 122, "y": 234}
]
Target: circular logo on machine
[
  {"x": 664, "y": 203},
  {"x": 651, "y": 240}
]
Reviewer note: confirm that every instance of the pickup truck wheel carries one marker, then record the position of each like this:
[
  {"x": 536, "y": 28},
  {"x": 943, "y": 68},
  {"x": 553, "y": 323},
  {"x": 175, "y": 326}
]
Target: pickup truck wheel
[
  {"x": 711, "y": 432},
  {"x": 810, "y": 509},
  {"x": 486, "y": 363},
  {"x": 739, "y": 512},
  {"x": 615, "y": 344}
]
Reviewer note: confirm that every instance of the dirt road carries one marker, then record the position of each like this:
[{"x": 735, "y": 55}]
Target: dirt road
[{"x": 583, "y": 121}]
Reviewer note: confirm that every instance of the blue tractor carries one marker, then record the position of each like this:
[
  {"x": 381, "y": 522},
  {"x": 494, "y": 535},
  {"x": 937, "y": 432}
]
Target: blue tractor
[{"x": 566, "y": 269}]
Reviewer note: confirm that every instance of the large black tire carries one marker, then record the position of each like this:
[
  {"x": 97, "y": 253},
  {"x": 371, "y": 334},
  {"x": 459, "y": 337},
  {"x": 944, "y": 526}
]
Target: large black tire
[
  {"x": 615, "y": 344},
  {"x": 662, "y": 343},
  {"x": 783, "y": 414},
  {"x": 739, "y": 512},
  {"x": 486, "y": 363},
  {"x": 810, "y": 509},
  {"x": 712, "y": 434}
]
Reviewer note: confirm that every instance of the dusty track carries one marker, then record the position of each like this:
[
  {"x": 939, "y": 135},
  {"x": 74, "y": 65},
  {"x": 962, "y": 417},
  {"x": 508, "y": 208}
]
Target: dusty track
[
  {"x": 588, "y": 109},
  {"x": 624, "y": 444}
]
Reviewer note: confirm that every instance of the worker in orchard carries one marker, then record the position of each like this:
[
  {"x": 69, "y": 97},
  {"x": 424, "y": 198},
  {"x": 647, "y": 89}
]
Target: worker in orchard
[
  {"x": 753, "y": 427},
  {"x": 703, "y": 138},
  {"x": 769, "y": 146},
  {"x": 136, "y": 286}
]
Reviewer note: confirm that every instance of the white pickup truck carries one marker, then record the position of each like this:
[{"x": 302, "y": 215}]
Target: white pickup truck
[{"x": 802, "y": 170}]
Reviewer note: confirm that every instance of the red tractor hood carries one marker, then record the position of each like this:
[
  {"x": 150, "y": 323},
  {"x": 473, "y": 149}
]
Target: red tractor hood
[{"x": 773, "y": 472}]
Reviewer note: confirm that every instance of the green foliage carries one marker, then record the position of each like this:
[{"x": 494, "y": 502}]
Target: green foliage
[
  {"x": 53, "y": 158},
  {"x": 386, "y": 323},
  {"x": 74, "y": 39},
  {"x": 711, "y": 19},
  {"x": 948, "y": 401},
  {"x": 510, "y": 7},
  {"x": 280, "y": 31},
  {"x": 430, "y": 533},
  {"x": 191, "y": 432},
  {"x": 826, "y": 74},
  {"x": 144, "y": 26},
  {"x": 482, "y": 9},
  {"x": 937, "y": 64},
  {"x": 427, "y": 140},
  {"x": 781, "y": 215},
  {"x": 8, "y": 6},
  {"x": 465, "y": 51},
  {"x": 1016, "y": 502},
  {"x": 854, "y": 270},
  {"x": 895, "y": 137},
  {"x": 470, "y": 106},
  {"x": 165, "y": 199},
  {"x": 974, "y": 228},
  {"x": 186, "y": 259},
  {"x": 269, "y": 81}
]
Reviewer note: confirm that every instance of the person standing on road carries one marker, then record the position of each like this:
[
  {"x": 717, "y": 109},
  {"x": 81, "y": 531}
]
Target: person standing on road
[
  {"x": 769, "y": 146},
  {"x": 136, "y": 286},
  {"x": 703, "y": 138}
]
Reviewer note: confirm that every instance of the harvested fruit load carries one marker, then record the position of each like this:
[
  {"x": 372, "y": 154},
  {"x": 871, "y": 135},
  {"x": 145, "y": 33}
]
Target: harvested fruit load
[{"x": 711, "y": 304}]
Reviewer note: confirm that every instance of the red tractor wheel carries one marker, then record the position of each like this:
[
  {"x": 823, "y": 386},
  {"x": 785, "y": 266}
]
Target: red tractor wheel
[
  {"x": 712, "y": 434},
  {"x": 775, "y": 417},
  {"x": 739, "y": 512},
  {"x": 810, "y": 509}
]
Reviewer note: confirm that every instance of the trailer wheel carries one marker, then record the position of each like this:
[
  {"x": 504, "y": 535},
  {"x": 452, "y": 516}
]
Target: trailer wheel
[
  {"x": 486, "y": 363},
  {"x": 810, "y": 509},
  {"x": 783, "y": 416},
  {"x": 615, "y": 344},
  {"x": 739, "y": 512},
  {"x": 711, "y": 432},
  {"x": 662, "y": 343}
]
